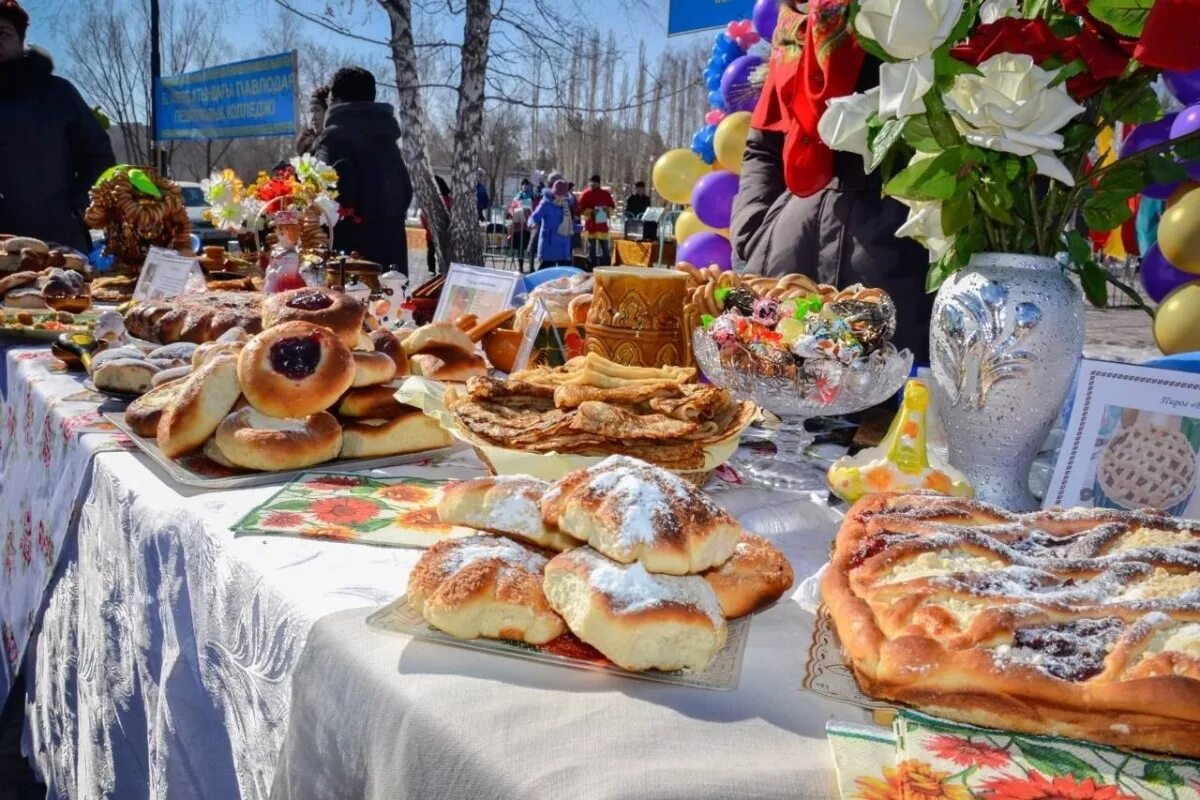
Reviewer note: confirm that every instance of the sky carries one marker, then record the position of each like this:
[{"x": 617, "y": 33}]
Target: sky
[{"x": 244, "y": 22}]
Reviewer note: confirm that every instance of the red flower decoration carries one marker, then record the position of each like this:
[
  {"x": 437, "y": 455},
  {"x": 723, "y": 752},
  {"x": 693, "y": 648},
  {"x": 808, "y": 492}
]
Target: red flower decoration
[
  {"x": 404, "y": 494},
  {"x": 283, "y": 519},
  {"x": 332, "y": 481},
  {"x": 336, "y": 532},
  {"x": 1061, "y": 787},
  {"x": 966, "y": 753},
  {"x": 344, "y": 510}
]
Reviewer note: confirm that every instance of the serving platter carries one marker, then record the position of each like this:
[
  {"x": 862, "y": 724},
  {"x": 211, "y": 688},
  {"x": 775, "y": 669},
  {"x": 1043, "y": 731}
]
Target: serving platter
[
  {"x": 722, "y": 674},
  {"x": 202, "y": 473},
  {"x": 85, "y": 322}
]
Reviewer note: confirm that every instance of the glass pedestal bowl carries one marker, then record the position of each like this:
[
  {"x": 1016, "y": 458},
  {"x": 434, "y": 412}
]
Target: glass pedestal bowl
[{"x": 796, "y": 392}]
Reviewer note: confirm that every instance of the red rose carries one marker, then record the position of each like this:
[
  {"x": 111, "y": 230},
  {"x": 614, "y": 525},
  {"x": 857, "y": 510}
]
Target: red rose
[
  {"x": 1168, "y": 40},
  {"x": 1011, "y": 35}
]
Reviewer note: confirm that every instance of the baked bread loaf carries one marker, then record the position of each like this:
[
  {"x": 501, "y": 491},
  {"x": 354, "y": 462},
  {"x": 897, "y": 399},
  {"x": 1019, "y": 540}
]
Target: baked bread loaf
[
  {"x": 371, "y": 369},
  {"x": 203, "y": 401},
  {"x": 410, "y": 432},
  {"x": 438, "y": 338},
  {"x": 484, "y": 586},
  {"x": 252, "y": 440},
  {"x": 1082, "y": 623},
  {"x": 639, "y": 621},
  {"x": 632, "y": 511},
  {"x": 66, "y": 290},
  {"x": 755, "y": 576},
  {"x": 128, "y": 375},
  {"x": 294, "y": 369},
  {"x": 503, "y": 504},
  {"x": 454, "y": 368},
  {"x": 17, "y": 280},
  {"x": 143, "y": 414},
  {"x": 372, "y": 402},
  {"x": 337, "y": 311},
  {"x": 195, "y": 317}
]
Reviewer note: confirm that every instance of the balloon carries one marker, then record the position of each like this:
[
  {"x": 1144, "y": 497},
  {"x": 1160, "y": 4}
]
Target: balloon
[
  {"x": 1159, "y": 276},
  {"x": 1179, "y": 233},
  {"x": 676, "y": 172},
  {"x": 766, "y": 17},
  {"x": 1175, "y": 328},
  {"x": 1150, "y": 134},
  {"x": 716, "y": 100},
  {"x": 688, "y": 225},
  {"x": 1184, "y": 85},
  {"x": 730, "y": 141},
  {"x": 712, "y": 198},
  {"x": 714, "y": 117},
  {"x": 1188, "y": 121},
  {"x": 702, "y": 143},
  {"x": 737, "y": 91},
  {"x": 1183, "y": 189},
  {"x": 705, "y": 249}
]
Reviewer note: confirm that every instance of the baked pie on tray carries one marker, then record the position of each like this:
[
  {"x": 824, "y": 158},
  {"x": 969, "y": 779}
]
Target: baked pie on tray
[{"x": 1083, "y": 623}]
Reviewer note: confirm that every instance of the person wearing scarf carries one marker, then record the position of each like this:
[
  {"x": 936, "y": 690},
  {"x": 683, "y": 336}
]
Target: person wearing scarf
[{"x": 803, "y": 208}]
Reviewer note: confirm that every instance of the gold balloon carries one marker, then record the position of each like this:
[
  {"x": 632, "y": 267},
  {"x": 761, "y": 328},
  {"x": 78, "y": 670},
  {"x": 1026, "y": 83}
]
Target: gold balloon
[
  {"x": 1179, "y": 232},
  {"x": 1177, "y": 321},
  {"x": 676, "y": 172},
  {"x": 687, "y": 225},
  {"x": 1183, "y": 189},
  {"x": 730, "y": 140}
]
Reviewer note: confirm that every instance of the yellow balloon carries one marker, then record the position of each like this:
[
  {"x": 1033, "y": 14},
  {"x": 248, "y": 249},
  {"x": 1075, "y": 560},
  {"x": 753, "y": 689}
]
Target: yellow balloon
[
  {"x": 1177, "y": 195},
  {"x": 1179, "y": 232},
  {"x": 1176, "y": 326},
  {"x": 688, "y": 225},
  {"x": 676, "y": 172},
  {"x": 730, "y": 141}
]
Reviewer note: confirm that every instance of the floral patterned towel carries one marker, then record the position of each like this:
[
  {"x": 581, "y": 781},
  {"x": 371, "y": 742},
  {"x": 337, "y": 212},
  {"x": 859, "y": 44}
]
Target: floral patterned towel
[
  {"x": 393, "y": 512},
  {"x": 933, "y": 759}
]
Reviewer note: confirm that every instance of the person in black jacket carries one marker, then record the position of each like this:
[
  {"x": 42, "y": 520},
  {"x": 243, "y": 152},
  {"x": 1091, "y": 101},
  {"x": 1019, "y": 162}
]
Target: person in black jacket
[
  {"x": 51, "y": 147},
  {"x": 638, "y": 202},
  {"x": 374, "y": 189}
]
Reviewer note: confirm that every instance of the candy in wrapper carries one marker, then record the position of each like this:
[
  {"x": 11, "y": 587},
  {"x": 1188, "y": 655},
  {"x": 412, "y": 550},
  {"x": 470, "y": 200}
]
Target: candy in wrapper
[
  {"x": 740, "y": 299},
  {"x": 725, "y": 332},
  {"x": 873, "y": 323},
  {"x": 765, "y": 311}
]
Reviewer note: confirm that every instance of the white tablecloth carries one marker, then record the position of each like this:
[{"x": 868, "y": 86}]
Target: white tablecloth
[{"x": 171, "y": 656}]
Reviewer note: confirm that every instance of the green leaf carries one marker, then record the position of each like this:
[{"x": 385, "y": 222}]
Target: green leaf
[
  {"x": 1160, "y": 773},
  {"x": 919, "y": 135},
  {"x": 1164, "y": 169},
  {"x": 109, "y": 173},
  {"x": 1127, "y": 17},
  {"x": 963, "y": 26},
  {"x": 1123, "y": 180},
  {"x": 1052, "y": 761},
  {"x": 946, "y": 68},
  {"x": 938, "y": 273},
  {"x": 940, "y": 122},
  {"x": 1095, "y": 285},
  {"x": 871, "y": 46},
  {"x": 141, "y": 181},
  {"x": 957, "y": 213},
  {"x": 1078, "y": 248},
  {"x": 1012, "y": 167},
  {"x": 372, "y": 525},
  {"x": 1139, "y": 106},
  {"x": 290, "y": 505},
  {"x": 888, "y": 134},
  {"x": 931, "y": 179},
  {"x": 1104, "y": 213},
  {"x": 1076, "y": 67},
  {"x": 1188, "y": 150}
]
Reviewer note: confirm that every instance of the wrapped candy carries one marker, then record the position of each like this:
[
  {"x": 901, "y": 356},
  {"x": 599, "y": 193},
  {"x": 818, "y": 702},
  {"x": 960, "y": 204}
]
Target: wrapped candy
[
  {"x": 872, "y": 321},
  {"x": 765, "y": 311},
  {"x": 725, "y": 332},
  {"x": 740, "y": 299}
]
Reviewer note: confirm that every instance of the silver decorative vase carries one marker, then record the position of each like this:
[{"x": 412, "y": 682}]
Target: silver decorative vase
[{"x": 1005, "y": 341}]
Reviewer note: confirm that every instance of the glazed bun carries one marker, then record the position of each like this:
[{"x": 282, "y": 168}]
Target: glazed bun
[
  {"x": 503, "y": 504},
  {"x": 337, "y": 311},
  {"x": 372, "y": 402},
  {"x": 455, "y": 368},
  {"x": 632, "y": 511},
  {"x": 754, "y": 577},
  {"x": 294, "y": 370},
  {"x": 202, "y": 402},
  {"x": 371, "y": 369},
  {"x": 438, "y": 338},
  {"x": 143, "y": 414},
  {"x": 407, "y": 433},
  {"x": 639, "y": 621},
  {"x": 484, "y": 586},
  {"x": 386, "y": 342},
  {"x": 252, "y": 440}
]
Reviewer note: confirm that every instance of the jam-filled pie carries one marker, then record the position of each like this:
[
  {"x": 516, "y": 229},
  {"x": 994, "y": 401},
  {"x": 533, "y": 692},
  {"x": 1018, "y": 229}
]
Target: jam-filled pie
[
  {"x": 1082, "y": 623},
  {"x": 1145, "y": 466}
]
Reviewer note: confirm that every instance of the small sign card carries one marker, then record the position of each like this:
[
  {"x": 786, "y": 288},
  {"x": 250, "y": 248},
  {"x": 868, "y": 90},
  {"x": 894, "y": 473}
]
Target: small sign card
[
  {"x": 1131, "y": 441},
  {"x": 481, "y": 291},
  {"x": 166, "y": 274}
]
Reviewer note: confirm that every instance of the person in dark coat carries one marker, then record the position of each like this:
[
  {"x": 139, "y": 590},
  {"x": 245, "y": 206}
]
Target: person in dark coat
[
  {"x": 803, "y": 209},
  {"x": 51, "y": 147},
  {"x": 374, "y": 189},
  {"x": 638, "y": 202}
]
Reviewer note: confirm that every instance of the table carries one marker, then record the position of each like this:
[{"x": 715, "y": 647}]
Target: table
[{"x": 174, "y": 659}]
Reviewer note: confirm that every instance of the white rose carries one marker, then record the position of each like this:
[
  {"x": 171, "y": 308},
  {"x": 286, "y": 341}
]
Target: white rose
[
  {"x": 843, "y": 126},
  {"x": 924, "y": 224},
  {"x": 1011, "y": 107},
  {"x": 902, "y": 85},
  {"x": 908, "y": 28},
  {"x": 992, "y": 10},
  {"x": 329, "y": 209}
]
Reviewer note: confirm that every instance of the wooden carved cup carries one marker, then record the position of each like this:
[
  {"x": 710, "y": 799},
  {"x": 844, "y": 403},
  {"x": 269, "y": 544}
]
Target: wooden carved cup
[{"x": 637, "y": 317}]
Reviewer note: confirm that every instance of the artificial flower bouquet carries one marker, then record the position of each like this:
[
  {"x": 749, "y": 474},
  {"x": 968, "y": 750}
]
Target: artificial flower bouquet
[
  {"x": 986, "y": 117},
  {"x": 304, "y": 183}
]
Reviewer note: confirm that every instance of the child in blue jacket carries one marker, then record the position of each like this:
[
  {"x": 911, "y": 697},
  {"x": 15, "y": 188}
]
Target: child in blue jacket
[{"x": 557, "y": 226}]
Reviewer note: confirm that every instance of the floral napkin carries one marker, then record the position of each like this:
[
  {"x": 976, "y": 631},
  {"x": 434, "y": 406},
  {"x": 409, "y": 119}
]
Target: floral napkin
[
  {"x": 393, "y": 512},
  {"x": 933, "y": 759}
]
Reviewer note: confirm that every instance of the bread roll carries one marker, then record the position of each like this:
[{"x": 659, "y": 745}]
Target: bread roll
[
  {"x": 438, "y": 337},
  {"x": 295, "y": 369},
  {"x": 504, "y": 504},
  {"x": 639, "y": 621},
  {"x": 252, "y": 440},
  {"x": 632, "y": 511},
  {"x": 754, "y": 577},
  {"x": 453, "y": 369},
  {"x": 372, "y": 369},
  {"x": 408, "y": 433},
  {"x": 143, "y": 414},
  {"x": 372, "y": 402},
  {"x": 124, "y": 375},
  {"x": 484, "y": 586},
  {"x": 336, "y": 311},
  {"x": 204, "y": 400}
]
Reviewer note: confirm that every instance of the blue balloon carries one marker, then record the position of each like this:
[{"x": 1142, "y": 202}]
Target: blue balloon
[
  {"x": 703, "y": 143},
  {"x": 715, "y": 100}
]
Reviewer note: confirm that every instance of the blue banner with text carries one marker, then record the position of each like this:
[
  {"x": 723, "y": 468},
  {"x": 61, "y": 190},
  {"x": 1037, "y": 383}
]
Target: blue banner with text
[
  {"x": 687, "y": 16},
  {"x": 231, "y": 101}
]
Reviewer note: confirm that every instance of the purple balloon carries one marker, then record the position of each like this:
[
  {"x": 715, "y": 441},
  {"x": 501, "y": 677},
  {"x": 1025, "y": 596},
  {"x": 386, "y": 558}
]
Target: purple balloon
[
  {"x": 1188, "y": 122},
  {"x": 736, "y": 90},
  {"x": 1145, "y": 136},
  {"x": 765, "y": 18},
  {"x": 712, "y": 198},
  {"x": 705, "y": 249},
  {"x": 1184, "y": 85},
  {"x": 1160, "y": 276}
]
